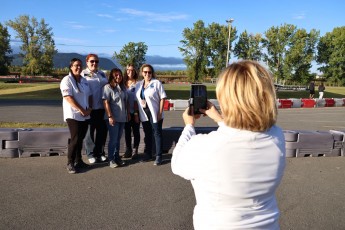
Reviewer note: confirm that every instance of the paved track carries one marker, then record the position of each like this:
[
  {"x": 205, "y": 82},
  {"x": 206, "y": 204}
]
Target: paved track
[{"x": 37, "y": 193}]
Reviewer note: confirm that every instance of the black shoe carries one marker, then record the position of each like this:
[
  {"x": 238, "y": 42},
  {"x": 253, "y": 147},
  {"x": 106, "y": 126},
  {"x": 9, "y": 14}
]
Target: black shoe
[
  {"x": 120, "y": 162},
  {"x": 101, "y": 159},
  {"x": 128, "y": 154},
  {"x": 81, "y": 165},
  {"x": 71, "y": 169},
  {"x": 146, "y": 158},
  {"x": 135, "y": 156}
]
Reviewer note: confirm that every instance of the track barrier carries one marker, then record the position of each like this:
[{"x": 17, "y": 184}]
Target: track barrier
[{"x": 53, "y": 142}]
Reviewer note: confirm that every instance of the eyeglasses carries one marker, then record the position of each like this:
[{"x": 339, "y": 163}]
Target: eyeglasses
[
  {"x": 77, "y": 66},
  {"x": 147, "y": 72},
  {"x": 93, "y": 61}
]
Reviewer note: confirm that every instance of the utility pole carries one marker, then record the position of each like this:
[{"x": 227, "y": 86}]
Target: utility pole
[{"x": 228, "y": 50}]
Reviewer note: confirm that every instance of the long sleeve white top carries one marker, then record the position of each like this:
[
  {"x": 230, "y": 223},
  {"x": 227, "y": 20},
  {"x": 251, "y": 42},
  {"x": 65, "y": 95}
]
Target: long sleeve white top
[
  {"x": 96, "y": 82},
  {"x": 80, "y": 92},
  {"x": 234, "y": 173},
  {"x": 154, "y": 93}
]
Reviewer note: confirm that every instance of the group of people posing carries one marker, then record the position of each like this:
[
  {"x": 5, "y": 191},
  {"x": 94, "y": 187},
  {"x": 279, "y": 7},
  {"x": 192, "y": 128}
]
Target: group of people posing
[
  {"x": 95, "y": 105},
  {"x": 235, "y": 170}
]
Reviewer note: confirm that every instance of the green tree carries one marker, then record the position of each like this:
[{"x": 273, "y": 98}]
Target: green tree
[
  {"x": 299, "y": 56},
  {"x": 248, "y": 47},
  {"x": 38, "y": 46},
  {"x": 331, "y": 53},
  {"x": 5, "y": 50},
  {"x": 132, "y": 53},
  {"x": 195, "y": 51},
  {"x": 276, "y": 42},
  {"x": 217, "y": 36}
]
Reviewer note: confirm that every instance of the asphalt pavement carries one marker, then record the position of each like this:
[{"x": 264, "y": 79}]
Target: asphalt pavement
[{"x": 37, "y": 192}]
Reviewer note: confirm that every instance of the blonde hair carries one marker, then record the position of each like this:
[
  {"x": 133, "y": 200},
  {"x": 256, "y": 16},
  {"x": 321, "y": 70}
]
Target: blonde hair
[{"x": 247, "y": 97}]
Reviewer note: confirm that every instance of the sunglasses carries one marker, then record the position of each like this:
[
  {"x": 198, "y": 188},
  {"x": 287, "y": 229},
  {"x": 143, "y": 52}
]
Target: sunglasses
[
  {"x": 93, "y": 61},
  {"x": 147, "y": 72}
]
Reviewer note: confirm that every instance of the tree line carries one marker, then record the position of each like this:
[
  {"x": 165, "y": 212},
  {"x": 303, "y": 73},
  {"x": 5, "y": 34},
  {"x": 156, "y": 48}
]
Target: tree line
[{"x": 289, "y": 52}]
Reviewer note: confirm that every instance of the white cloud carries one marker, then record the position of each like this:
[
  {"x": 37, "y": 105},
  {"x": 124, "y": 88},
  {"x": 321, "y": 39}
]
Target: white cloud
[
  {"x": 157, "y": 30},
  {"x": 68, "y": 40},
  {"x": 299, "y": 16},
  {"x": 76, "y": 25},
  {"x": 109, "y": 31},
  {"x": 104, "y": 15},
  {"x": 151, "y": 16}
]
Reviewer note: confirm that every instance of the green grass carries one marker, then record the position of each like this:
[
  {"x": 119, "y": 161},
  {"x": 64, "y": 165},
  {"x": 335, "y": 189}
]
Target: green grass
[
  {"x": 51, "y": 91},
  {"x": 30, "y": 125},
  {"x": 42, "y": 91}
]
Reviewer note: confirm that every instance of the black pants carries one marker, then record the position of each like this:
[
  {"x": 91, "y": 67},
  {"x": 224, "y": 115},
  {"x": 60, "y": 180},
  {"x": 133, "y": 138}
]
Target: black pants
[
  {"x": 78, "y": 131},
  {"x": 153, "y": 132},
  {"x": 98, "y": 125},
  {"x": 129, "y": 127}
]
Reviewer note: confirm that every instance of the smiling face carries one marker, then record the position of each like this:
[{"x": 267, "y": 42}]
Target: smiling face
[
  {"x": 92, "y": 63},
  {"x": 147, "y": 73},
  {"x": 117, "y": 77},
  {"x": 130, "y": 72},
  {"x": 76, "y": 68}
]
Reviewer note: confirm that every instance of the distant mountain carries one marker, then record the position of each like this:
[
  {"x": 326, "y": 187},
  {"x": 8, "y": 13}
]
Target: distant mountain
[{"x": 61, "y": 60}]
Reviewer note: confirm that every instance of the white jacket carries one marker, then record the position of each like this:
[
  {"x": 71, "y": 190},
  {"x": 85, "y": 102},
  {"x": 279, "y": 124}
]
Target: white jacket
[
  {"x": 234, "y": 173},
  {"x": 153, "y": 95},
  {"x": 80, "y": 92},
  {"x": 96, "y": 82}
]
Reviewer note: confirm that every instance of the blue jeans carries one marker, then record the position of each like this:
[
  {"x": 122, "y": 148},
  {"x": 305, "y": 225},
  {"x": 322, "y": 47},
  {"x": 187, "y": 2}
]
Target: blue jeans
[
  {"x": 115, "y": 133},
  {"x": 155, "y": 129},
  {"x": 96, "y": 136}
]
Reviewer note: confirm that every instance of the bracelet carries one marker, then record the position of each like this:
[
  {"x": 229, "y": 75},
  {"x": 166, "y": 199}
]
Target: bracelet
[{"x": 110, "y": 116}]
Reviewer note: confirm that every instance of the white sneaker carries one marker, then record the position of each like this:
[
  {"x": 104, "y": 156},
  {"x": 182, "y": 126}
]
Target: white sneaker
[
  {"x": 113, "y": 164},
  {"x": 103, "y": 158},
  {"x": 92, "y": 160}
]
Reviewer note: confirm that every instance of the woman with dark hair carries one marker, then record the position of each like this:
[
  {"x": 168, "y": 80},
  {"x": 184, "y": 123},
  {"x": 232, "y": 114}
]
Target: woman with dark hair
[
  {"x": 115, "y": 104},
  {"x": 76, "y": 110},
  {"x": 133, "y": 124},
  {"x": 151, "y": 95}
]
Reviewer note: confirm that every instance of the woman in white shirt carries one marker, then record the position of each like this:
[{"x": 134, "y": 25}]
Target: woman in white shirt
[
  {"x": 150, "y": 95},
  {"x": 75, "y": 91},
  {"x": 235, "y": 170},
  {"x": 97, "y": 132}
]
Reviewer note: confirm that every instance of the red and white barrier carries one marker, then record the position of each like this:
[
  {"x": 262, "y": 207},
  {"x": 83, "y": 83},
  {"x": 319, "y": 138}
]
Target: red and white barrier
[{"x": 180, "y": 105}]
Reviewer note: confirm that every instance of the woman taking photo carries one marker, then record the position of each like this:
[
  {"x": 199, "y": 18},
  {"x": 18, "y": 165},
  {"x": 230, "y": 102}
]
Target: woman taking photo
[
  {"x": 76, "y": 110},
  {"x": 150, "y": 95},
  {"x": 115, "y": 102},
  {"x": 235, "y": 170}
]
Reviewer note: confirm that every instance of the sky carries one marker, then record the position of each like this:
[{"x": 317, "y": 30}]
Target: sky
[{"x": 105, "y": 26}]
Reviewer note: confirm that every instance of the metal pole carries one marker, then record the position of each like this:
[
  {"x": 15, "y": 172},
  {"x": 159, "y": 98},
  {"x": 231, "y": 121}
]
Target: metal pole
[{"x": 228, "y": 50}]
